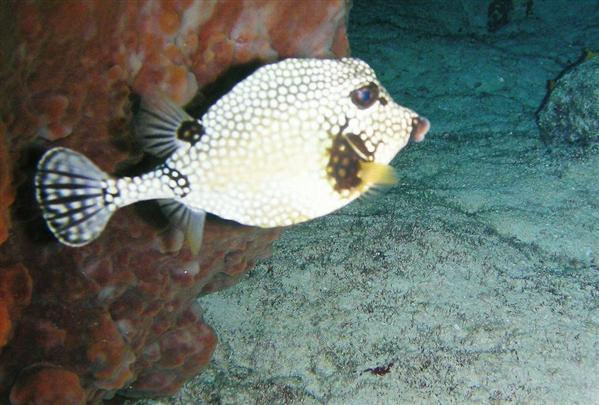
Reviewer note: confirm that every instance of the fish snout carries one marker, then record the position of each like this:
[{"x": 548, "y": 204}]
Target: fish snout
[{"x": 419, "y": 129}]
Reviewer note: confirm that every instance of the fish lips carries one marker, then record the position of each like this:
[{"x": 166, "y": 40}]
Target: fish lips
[{"x": 420, "y": 126}]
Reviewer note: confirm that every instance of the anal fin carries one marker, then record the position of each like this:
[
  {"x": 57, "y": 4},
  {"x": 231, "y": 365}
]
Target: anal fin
[{"x": 189, "y": 220}]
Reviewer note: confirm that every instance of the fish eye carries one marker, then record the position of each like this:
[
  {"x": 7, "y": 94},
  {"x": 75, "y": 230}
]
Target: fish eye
[{"x": 365, "y": 96}]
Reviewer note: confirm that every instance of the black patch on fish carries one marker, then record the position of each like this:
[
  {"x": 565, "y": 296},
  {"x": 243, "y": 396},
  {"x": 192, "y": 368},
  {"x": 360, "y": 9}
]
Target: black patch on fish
[
  {"x": 181, "y": 187},
  {"x": 190, "y": 131},
  {"x": 346, "y": 154},
  {"x": 356, "y": 142},
  {"x": 344, "y": 165}
]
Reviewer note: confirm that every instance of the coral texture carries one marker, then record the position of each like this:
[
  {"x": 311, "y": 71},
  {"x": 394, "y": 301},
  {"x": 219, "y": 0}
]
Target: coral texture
[
  {"x": 119, "y": 316},
  {"x": 47, "y": 386},
  {"x": 6, "y": 191}
]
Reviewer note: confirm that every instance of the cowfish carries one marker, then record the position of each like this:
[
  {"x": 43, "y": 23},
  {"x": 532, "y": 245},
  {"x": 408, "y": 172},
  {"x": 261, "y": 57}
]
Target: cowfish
[{"x": 294, "y": 141}]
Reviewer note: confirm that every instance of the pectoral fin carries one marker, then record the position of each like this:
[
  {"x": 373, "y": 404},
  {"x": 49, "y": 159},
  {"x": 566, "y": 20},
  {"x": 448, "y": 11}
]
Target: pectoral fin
[{"x": 373, "y": 173}]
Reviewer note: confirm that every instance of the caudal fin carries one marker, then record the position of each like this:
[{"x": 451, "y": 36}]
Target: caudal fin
[{"x": 76, "y": 197}]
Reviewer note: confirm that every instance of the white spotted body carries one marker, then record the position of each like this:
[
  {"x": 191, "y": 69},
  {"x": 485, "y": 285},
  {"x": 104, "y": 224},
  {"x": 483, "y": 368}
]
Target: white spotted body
[{"x": 294, "y": 141}]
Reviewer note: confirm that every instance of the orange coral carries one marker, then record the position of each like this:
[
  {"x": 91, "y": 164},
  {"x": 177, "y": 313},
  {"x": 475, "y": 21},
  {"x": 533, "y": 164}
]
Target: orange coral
[
  {"x": 15, "y": 295},
  {"x": 47, "y": 385}
]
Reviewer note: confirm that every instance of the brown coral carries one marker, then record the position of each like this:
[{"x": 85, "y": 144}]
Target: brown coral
[
  {"x": 15, "y": 295},
  {"x": 47, "y": 385},
  {"x": 119, "y": 315},
  {"x": 6, "y": 191}
]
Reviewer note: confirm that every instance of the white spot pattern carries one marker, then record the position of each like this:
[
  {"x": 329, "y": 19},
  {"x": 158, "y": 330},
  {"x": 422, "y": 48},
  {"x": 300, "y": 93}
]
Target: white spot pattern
[{"x": 262, "y": 160}]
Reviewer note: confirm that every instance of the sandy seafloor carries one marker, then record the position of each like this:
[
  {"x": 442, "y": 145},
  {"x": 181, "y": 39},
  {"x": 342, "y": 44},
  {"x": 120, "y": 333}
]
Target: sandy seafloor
[{"x": 477, "y": 276}]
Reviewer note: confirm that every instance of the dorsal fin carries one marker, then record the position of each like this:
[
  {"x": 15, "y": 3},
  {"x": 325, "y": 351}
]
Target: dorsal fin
[{"x": 163, "y": 127}]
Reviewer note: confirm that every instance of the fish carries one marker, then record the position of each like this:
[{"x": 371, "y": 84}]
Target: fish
[{"x": 295, "y": 140}]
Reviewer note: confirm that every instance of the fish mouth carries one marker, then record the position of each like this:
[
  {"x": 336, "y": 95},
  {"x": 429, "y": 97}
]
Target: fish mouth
[{"x": 420, "y": 126}]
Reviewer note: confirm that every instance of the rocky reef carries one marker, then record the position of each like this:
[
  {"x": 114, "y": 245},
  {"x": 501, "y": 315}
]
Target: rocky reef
[
  {"x": 119, "y": 316},
  {"x": 570, "y": 113}
]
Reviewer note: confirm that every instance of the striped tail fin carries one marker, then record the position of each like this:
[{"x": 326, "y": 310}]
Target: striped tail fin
[{"x": 76, "y": 197}]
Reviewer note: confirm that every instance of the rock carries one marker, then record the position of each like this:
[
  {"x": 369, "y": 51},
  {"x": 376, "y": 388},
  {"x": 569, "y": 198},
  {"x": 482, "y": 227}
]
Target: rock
[{"x": 570, "y": 114}]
